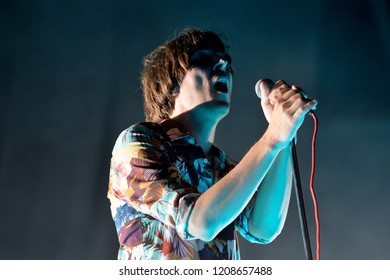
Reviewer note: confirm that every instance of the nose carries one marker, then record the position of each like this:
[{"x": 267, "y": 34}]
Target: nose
[{"x": 221, "y": 65}]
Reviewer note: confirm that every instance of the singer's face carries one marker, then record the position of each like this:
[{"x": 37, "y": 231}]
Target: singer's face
[{"x": 208, "y": 84}]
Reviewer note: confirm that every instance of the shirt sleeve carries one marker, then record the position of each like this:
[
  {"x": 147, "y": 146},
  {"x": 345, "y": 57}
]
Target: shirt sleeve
[{"x": 143, "y": 175}]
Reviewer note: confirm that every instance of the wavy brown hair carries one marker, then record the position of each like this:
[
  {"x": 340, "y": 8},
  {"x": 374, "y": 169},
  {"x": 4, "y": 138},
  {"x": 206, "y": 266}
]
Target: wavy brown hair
[{"x": 165, "y": 68}]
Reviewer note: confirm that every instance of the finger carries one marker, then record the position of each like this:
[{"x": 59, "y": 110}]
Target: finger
[
  {"x": 281, "y": 86},
  {"x": 293, "y": 101},
  {"x": 303, "y": 110},
  {"x": 280, "y": 83},
  {"x": 266, "y": 86},
  {"x": 300, "y": 90},
  {"x": 279, "y": 90},
  {"x": 288, "y": 95}
]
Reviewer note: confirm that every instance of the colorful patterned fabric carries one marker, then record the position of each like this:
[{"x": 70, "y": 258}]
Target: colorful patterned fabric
[{"x": 157, "y": 174}]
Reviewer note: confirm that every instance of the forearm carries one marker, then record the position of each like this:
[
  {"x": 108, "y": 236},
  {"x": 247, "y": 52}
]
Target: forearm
[
  {"x": 273, "y": 197},
  {"x": 225, "y": 200}
]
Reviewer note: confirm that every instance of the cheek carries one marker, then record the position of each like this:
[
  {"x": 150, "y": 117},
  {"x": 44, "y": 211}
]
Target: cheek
[
  {"x": 199, "y": 82},
  {"x": 195, "y": 83}
]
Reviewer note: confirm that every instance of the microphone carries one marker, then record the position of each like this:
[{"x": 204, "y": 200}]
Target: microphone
[{"x": 271, "y": 84}]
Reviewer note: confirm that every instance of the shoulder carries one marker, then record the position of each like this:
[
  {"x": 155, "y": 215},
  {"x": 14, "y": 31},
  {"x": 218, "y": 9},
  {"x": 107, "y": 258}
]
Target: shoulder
[
  {"x": 145, "y": 128},
  {"x": 143, "y": 132}
]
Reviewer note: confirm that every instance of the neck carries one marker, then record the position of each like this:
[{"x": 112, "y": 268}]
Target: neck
[{"x": 202, "y": 130}]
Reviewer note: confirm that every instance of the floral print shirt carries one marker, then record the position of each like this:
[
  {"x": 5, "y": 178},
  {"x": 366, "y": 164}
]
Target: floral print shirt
[{"x": 157, "y": 173}]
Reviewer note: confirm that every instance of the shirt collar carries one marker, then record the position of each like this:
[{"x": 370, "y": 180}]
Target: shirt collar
[
  {"x": 173, "y": 129},
  {"x": 176, "y": 131}
]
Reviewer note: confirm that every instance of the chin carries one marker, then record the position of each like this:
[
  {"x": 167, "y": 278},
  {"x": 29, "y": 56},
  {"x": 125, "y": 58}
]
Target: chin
[{"x": 222, "y": 107}]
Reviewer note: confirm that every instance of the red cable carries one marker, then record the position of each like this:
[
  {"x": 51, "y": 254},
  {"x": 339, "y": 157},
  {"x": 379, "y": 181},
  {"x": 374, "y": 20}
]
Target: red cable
[{"x": 315, "y": 203}]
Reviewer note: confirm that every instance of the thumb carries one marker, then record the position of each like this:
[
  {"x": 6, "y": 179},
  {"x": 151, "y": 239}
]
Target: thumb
[{"x": 266, "y": 86}]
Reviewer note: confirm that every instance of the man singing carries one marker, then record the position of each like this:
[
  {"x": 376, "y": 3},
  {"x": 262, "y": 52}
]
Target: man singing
[{"x": 174, "y": 194}]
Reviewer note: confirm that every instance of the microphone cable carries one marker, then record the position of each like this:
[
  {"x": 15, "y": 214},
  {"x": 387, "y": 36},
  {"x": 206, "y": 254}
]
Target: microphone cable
[{"x": 313, "y": 195}]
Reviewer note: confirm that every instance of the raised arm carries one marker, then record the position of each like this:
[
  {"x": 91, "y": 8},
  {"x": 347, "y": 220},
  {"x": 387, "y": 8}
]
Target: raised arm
[{"x": 262, "y": 166}]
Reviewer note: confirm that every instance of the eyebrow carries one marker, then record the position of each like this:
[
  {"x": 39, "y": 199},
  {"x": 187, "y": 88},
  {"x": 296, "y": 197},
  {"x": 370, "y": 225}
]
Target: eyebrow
[{"x": 222, "y": 55}]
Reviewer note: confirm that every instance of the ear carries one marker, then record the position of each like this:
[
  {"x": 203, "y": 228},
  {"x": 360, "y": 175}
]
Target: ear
[{"x": 176, "y": 91}]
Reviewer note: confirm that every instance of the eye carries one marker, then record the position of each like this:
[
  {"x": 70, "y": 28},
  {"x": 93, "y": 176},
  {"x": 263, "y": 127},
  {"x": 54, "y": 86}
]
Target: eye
[
  {"x": 202, "y": 60},
  {"x": 208, "y": 59}
]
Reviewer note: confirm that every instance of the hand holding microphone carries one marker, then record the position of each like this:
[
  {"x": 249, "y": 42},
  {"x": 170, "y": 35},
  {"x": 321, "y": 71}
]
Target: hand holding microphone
[{"x": 284, "y": 107}]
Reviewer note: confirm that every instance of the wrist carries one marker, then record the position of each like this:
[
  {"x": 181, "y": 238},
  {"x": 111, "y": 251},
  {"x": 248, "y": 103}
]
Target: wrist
[{"x": 272, "y": 142}]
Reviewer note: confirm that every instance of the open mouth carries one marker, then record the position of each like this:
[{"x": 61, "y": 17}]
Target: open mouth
[{"x": 221, "y": 85}]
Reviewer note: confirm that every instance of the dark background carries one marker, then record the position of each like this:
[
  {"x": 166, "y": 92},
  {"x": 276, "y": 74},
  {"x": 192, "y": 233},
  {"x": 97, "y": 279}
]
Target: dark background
[{"x": 70, "y": 84}]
